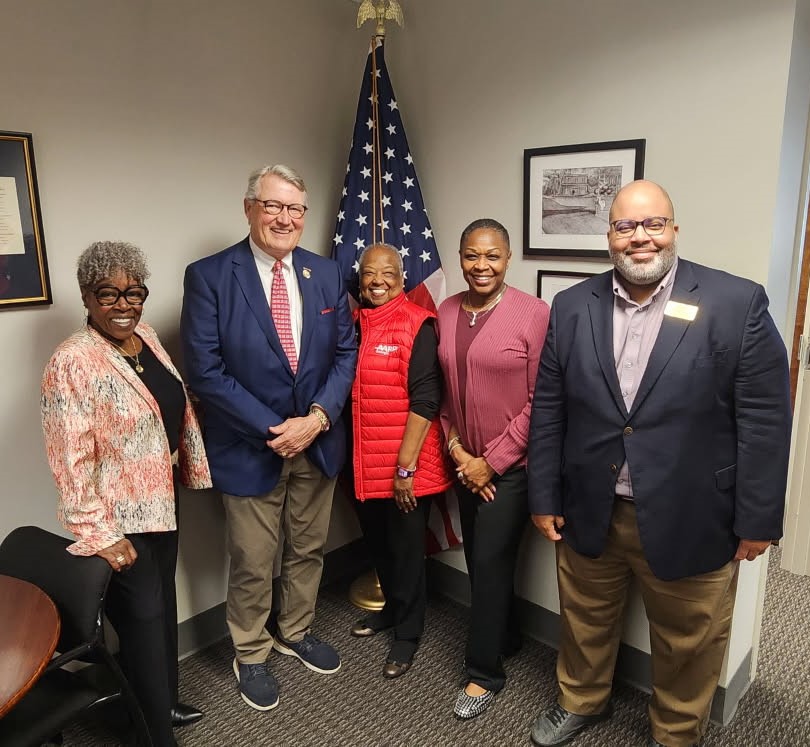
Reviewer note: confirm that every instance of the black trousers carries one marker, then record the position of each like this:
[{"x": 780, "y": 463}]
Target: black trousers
[
  {"x": 396, "y": 542},
  {"x": 492, "y": 533},
  {"x": 142, "y": 606}
]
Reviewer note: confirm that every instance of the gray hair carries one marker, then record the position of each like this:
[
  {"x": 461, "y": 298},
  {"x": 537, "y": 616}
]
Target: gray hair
[
  {"x": 278, "y": 169},
  {"x": 488, "y": 224},
  {"x": 103, "y": 259},
  {"x": 391, "y": 248}
]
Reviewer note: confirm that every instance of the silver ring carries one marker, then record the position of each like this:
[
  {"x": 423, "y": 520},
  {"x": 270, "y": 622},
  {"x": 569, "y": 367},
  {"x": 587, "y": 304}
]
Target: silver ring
[{"x": 120, "y": 559}]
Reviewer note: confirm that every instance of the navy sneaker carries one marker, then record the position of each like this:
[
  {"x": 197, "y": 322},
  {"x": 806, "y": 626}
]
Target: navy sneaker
[
  {"x": 314, "y": 653},
  {"x": 257, "y": 686}
]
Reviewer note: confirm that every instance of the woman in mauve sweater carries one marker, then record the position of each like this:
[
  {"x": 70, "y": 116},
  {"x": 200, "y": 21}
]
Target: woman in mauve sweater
[{"x": 490, "y": 340}]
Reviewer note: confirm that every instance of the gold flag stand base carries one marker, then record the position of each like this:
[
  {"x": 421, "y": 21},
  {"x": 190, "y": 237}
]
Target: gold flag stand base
[{"x": 365, "y": 592}]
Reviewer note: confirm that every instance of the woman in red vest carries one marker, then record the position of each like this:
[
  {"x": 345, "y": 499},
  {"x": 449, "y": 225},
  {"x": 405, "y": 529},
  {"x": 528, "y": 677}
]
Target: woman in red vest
[
  {"x": 490, "y": 340},
  {"x": 398, "y": 458}
]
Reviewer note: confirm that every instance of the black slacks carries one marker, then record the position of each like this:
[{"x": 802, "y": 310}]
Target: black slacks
[
  {"x": 396, "y": 542},
  {"x": 142, "y": 607},
  {"x": 492, "y": 533}
]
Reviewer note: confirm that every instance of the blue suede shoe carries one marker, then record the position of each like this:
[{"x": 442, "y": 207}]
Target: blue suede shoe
[
  {"x": 257, "y": 686},
  {"x": 315, "y": 654}
]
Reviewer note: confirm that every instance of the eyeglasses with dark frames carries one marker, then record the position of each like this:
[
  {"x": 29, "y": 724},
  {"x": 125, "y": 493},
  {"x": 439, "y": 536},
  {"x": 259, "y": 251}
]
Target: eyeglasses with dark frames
[
  {"x": 108, "y": 295},
  {"x": 273, "y": 207},
  {"x": 653, "y": 226}
]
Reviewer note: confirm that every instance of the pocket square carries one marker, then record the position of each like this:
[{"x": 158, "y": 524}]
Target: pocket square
[{"x": 328, "y": 311}]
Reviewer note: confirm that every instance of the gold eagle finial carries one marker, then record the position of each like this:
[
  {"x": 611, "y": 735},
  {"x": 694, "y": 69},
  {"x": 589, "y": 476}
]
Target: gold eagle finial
[{"x": 380, "y": 11}]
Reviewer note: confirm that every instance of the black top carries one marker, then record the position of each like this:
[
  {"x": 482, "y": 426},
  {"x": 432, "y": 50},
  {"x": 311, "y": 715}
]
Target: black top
[
  {"x": 425, "y": 373},
  {"x": 167, "y": 391}
]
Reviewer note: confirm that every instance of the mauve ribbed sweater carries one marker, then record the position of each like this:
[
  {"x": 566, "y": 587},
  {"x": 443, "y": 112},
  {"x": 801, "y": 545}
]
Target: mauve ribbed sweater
[{"x": 502, "y": 367}]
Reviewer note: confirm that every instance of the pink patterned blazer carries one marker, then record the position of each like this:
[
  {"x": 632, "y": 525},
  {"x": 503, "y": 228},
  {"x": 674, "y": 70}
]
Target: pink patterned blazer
[{"x": 107, "y": 446}]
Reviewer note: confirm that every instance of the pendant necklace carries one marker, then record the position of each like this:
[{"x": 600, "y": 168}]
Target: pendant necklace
[
  {"x": 473, "y": 314},
  {"x": 134, "y": 357}
]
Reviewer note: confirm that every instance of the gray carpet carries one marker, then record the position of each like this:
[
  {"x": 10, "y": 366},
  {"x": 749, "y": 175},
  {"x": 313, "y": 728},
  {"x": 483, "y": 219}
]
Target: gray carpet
[{"x": 357, "y": 706}]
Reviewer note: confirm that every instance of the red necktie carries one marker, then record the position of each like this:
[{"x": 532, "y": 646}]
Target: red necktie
[{"x": 280, "y": 309}]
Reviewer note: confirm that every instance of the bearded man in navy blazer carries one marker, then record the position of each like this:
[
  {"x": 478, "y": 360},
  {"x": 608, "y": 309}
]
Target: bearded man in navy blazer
[
  {"x": 658, "y": 451},
  {"x": 270, "y": 352}
]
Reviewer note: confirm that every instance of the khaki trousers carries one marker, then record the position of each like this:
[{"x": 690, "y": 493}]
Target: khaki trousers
[
  {"x": 689, "y": 618},
  {"x": 300, "y": 506}
]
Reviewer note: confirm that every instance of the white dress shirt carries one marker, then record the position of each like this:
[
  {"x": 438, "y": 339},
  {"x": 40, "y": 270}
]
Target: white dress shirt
[{"x": 265, "y": 264}]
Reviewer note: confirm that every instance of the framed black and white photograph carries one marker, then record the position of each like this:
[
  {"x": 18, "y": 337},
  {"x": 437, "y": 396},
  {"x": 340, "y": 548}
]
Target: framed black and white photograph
[
  {"x": 567, "y": 194},
  {"x": 24, "y": 279},
  {"x": 551, "y": 282}
]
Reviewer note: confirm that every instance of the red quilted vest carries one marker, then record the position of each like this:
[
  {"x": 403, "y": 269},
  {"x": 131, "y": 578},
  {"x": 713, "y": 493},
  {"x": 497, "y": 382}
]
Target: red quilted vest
[{"x": 380, "y": 403}]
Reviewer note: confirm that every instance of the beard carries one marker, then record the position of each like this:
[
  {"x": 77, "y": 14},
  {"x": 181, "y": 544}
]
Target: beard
[{"x": 645, "y": 273}]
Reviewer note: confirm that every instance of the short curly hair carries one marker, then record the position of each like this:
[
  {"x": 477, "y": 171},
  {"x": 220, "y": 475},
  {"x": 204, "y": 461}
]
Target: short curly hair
[{"x": 103, "y": 259}]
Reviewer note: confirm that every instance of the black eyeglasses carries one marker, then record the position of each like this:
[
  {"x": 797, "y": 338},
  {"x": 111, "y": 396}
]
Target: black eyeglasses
[
  {"x": 108, "y": 295},
  {"x": 653, "y": 226},
  {"x": 273, "y": 207}
]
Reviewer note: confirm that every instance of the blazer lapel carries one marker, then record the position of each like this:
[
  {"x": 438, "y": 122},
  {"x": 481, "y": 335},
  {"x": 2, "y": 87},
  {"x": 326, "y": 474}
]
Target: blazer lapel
[
  {"x": 684, "y": 290},
  {"x": 309, "y": 304},
  {"x": 124, "y": 370},
  {"x": 600, "y": 308},
  {"x": 246, "y": 274}
]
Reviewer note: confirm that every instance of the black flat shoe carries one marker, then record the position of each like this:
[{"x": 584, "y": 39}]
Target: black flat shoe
[{"x": 183, "y": 715}]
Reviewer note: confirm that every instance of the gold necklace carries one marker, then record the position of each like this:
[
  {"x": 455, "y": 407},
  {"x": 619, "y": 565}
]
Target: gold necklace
[
  {"x": 133, "y": 356},
  {"x": 473, "y": 314}
]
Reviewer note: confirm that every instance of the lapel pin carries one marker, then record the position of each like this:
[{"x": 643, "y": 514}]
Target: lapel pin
[{"x": 307, "y": 272}]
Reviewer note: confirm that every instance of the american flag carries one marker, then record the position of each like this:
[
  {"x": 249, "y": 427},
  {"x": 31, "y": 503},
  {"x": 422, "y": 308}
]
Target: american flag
[{"x": 382, "y": 203}]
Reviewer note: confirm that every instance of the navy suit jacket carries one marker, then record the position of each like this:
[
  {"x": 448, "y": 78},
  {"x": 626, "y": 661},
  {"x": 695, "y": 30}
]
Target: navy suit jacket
[
  {"x": 707, "y": 438},
  {"x": 236, "y": 366}
]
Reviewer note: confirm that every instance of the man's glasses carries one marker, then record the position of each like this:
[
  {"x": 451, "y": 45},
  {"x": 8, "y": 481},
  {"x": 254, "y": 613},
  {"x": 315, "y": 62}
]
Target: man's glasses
[
  {"x": 653, "y": 226},
  {"x": 272, "y": 207},
  {"x": 107, "y": 295}
]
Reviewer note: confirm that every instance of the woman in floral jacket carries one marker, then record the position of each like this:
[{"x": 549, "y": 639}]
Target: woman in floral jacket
[{"x": 120, "y": 434}]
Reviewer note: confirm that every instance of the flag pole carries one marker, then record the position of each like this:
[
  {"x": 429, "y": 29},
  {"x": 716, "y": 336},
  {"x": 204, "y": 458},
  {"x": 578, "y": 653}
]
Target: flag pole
[
  {"x": 365, "y": 591},
  {"x": 382, "y": 201}
]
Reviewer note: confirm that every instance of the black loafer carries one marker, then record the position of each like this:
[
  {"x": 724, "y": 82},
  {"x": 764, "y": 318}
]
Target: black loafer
[
  {"x": 183, "y": 715},
  {"x": 394, "y": 669}
]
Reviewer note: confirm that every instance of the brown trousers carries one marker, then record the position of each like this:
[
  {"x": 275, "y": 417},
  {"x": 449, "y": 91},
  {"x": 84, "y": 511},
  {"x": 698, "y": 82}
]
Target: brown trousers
[
  {"x": 300, "y": 507},
  {"x": 689, "y": 619}
]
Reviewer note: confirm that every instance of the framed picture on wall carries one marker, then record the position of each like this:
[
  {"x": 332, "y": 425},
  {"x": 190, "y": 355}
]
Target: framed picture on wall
[
  {"x": 567, "y": 194},
  {"x": 24, "y": 279},
  {"x": 551, "y": 282}
]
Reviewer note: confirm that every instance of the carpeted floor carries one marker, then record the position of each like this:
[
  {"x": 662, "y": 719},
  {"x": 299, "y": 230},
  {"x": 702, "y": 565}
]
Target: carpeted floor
[{"x": 357, "y": 706}]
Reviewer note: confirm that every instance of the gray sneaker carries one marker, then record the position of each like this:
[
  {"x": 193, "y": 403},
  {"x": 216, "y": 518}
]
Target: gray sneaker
[
  {"x": 257, "y": 686},
  {"x": 556, "y": 726}
]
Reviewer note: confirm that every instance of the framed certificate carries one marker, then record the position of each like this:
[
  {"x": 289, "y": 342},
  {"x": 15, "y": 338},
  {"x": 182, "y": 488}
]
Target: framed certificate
[{"x": 24, "y": 279}]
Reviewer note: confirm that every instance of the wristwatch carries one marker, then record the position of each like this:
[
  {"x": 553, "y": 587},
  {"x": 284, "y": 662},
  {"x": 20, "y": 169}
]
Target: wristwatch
[
  {"x": 402, "y": 472},
  {"x": 320, "y": 413}
]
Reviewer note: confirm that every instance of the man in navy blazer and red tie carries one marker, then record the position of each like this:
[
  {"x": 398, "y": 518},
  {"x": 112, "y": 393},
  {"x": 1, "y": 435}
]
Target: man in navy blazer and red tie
[
  {"x": 270, "y": 352},
  {"x": 658, "y": 451}
]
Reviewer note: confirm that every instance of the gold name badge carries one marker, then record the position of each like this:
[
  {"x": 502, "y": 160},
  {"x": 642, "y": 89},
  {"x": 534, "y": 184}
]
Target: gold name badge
[{"x": 681, "y": 310}]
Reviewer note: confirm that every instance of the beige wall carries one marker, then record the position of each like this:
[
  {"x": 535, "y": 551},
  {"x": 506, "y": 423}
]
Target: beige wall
[{"x": 147, "y": 117}]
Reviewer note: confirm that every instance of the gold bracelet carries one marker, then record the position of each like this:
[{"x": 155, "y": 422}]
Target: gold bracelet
[
  {"x": 323, "y": 418},
  {"x": 455, "y": 441}
]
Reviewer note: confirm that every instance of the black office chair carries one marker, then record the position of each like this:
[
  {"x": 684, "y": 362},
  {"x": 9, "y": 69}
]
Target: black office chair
[{"x": 77, "y": 586}]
